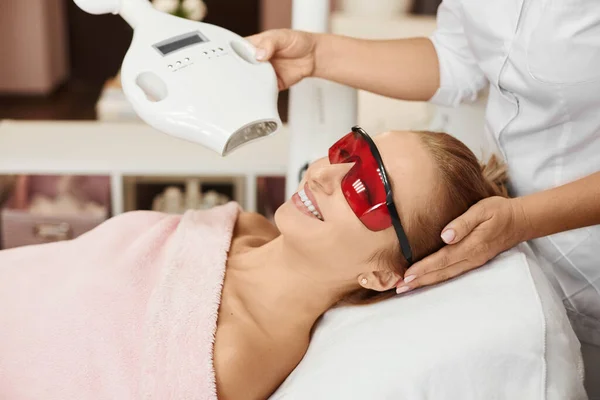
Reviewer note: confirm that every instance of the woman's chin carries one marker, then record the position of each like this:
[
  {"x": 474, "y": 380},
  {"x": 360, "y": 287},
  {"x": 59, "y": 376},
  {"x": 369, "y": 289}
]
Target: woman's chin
[{"x": 288, "y": 219}]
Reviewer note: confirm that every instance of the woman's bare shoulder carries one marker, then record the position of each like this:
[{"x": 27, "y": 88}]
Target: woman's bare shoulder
[
  {"x": 253, "y": 230},
  {"x": 252, "y": 223}
]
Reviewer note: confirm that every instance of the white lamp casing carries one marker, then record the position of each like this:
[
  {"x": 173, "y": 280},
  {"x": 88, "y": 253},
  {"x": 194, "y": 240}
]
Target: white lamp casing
[{"x": 193, "y": 80}]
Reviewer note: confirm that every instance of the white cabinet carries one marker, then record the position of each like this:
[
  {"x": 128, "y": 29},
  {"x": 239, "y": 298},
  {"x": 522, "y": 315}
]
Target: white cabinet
[{"x": 126, "y": 151}]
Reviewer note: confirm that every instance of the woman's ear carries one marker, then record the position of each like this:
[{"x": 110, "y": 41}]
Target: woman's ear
[{"x": 378, "y": 280}]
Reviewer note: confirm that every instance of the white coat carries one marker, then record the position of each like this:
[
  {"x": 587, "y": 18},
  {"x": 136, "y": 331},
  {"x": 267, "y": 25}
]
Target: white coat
[{"x": 541, "y": 60}]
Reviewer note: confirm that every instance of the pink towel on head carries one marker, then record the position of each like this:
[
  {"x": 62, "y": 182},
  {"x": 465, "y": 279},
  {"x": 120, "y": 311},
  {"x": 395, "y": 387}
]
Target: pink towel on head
[{"x": 126, "y": 311}]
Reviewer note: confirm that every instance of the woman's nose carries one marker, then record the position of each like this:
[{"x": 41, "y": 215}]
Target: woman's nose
[{"x": 326, "y": 177}]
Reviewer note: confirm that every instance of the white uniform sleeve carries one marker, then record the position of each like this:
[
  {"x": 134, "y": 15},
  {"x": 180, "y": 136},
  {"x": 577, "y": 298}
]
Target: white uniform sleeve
[{"x": 461, "y": 79}]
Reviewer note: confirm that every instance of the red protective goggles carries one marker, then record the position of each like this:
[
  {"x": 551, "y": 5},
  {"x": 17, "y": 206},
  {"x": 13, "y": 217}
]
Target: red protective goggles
[{"x": 366, "y": 186}]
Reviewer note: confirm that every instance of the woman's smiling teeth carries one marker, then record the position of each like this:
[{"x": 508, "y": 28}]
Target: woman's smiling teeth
[{"x": 309, "y": 205}]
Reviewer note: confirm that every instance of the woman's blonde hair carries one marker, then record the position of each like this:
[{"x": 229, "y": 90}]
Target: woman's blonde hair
[{"x": 465, "y": 181}]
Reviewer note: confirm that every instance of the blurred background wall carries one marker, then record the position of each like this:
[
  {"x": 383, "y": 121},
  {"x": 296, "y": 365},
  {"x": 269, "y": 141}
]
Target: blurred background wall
[{"x": 56, "y": 58}]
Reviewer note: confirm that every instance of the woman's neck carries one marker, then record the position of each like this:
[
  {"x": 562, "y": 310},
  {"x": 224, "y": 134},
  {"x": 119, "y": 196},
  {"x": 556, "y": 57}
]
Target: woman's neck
[{"x": 279, "y": 292}]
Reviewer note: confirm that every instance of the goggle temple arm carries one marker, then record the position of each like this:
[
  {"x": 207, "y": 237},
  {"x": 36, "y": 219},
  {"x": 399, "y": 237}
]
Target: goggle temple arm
[{"x": 404, "y": 244}]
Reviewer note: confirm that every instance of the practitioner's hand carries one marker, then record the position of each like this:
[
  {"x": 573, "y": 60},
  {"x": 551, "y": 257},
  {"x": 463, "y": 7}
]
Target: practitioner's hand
[
  {"x": 488, "y": 228},
  {"x": 291, "y": 52}
]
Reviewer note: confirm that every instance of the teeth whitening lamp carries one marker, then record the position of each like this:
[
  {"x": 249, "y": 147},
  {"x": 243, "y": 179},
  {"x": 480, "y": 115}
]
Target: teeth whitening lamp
[
  {"x": 202, "y": 83},
  {"x": 194, "y": 80}
]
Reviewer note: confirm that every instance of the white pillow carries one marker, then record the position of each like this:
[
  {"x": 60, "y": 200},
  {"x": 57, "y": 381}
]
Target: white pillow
[{"x": 499, "y": 332}]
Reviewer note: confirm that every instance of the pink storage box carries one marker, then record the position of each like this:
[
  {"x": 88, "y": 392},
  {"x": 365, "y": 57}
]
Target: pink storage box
[{"x": 21, "y": 228}]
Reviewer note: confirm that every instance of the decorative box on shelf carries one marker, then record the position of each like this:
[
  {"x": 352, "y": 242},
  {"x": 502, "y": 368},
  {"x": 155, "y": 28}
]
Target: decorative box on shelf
[
  {"x": 51, "y": 208},
  {"x": 112, "y": 104}
]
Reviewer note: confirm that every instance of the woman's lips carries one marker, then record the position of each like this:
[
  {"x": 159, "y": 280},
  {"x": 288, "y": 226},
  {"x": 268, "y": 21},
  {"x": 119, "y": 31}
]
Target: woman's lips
[
  {"x": 312, "y": 198},
  {"x": 304, "y": 201},
  {"x": 300, "y": 206}
]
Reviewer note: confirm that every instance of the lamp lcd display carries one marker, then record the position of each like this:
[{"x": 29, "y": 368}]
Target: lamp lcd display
[{"x": 171, "y": 45}]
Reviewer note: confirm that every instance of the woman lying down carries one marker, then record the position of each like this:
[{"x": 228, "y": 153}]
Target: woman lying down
[{"x": 221, "y": 303}]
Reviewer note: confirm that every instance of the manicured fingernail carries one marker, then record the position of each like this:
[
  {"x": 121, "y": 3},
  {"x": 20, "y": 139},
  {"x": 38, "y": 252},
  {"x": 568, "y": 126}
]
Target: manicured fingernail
[
  {"x": 402, "y": 289},
  {"x": 261, "y": 54},
  {"x": 409, "y": 279},
  {"x": 448, "y": 236}
]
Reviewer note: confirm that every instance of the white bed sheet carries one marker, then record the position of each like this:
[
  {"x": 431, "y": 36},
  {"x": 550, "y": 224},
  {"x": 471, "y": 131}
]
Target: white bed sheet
[{"x": 497, "y": 333}]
